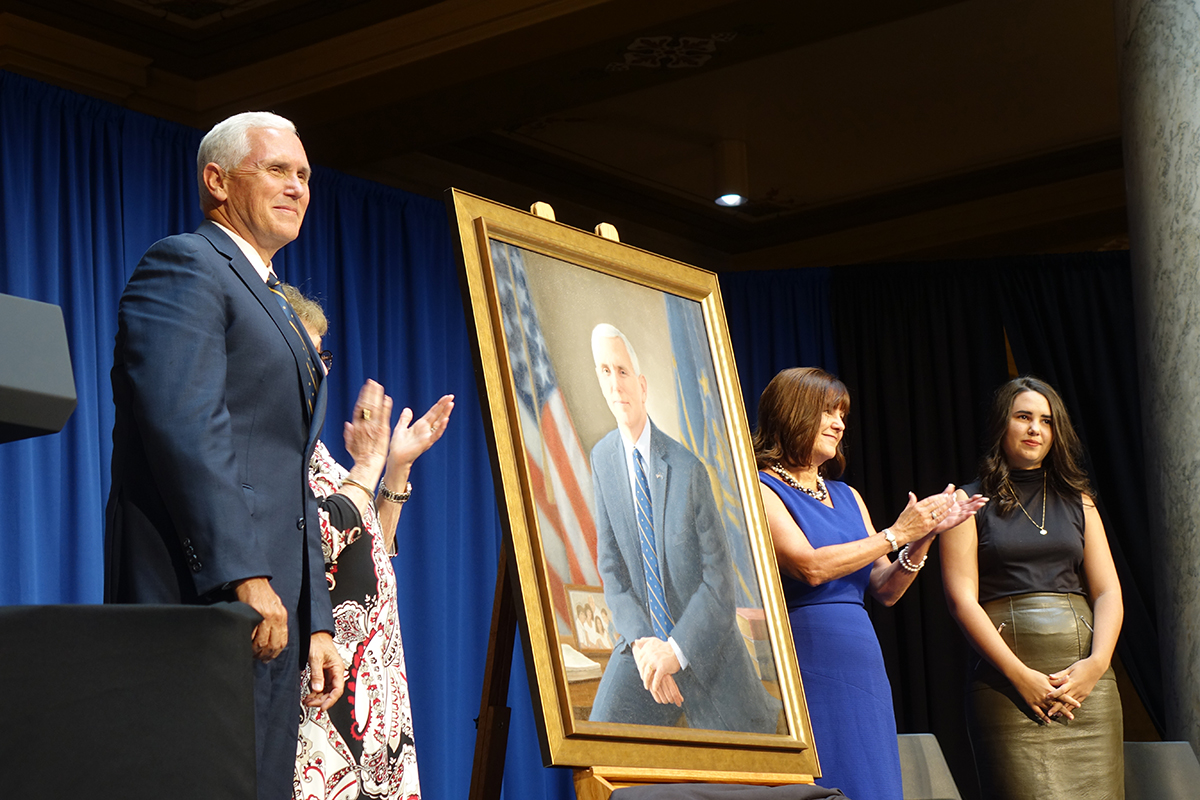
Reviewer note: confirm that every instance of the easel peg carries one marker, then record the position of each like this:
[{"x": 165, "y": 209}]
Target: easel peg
[
  {"x": 608, "y": 231},
  {"x": 543, "y": 210}
]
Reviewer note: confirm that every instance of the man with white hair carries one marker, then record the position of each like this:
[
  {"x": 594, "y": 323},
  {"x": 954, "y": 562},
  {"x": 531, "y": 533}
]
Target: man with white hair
[
  {"x": 219, "y": 400},
  {"x": 667, "y": 572}
]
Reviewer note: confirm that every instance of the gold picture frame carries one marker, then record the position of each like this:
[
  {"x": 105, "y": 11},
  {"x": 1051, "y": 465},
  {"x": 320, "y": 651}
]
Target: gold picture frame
[{"x": 535, "y": 291}]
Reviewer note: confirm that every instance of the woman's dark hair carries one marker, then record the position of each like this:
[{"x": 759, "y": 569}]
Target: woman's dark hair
[
  {"x": 1065, "y": 475},
  {"x": 789, "y": 419}
]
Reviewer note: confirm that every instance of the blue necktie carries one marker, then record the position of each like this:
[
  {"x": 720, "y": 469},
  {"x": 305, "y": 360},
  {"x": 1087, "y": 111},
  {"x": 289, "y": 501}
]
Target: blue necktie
[
  {"x": 310, "y": 375},
  {"x": 660, "y": 618}
]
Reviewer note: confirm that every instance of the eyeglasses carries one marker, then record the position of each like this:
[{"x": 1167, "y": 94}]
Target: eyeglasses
[{"x": 327, "y": 358}]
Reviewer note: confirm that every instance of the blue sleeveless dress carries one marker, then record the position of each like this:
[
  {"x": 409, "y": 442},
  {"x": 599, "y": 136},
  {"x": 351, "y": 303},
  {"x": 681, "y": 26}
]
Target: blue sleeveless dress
[{"x": 845, "y": 684}]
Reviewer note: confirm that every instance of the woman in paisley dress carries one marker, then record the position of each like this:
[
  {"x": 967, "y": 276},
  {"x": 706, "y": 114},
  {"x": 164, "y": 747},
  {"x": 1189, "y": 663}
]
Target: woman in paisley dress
[{"x": 363, "y": 747}]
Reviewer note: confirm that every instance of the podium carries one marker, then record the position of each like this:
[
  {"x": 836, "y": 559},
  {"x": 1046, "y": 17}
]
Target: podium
[
  {"x": 37, "y": 389},
  {"x": 138, "y": 702}
]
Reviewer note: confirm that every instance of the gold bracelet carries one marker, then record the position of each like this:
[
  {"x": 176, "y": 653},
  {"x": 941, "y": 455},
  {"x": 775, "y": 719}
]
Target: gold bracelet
[
  {"x": 395, "y": 497},
  {"x": 355, "y": 483}
]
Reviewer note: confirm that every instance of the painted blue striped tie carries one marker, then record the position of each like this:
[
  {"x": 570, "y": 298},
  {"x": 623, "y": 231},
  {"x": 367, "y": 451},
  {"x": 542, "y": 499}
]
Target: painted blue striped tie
[
  {"x": 660, "y": 618},
  {"x": 310, "y": 377}
]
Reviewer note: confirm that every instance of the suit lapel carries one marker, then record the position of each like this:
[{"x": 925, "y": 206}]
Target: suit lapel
[
  {"x": 624, "y": 521},
  {"x": 301, "y": 347},
  {"x": 318, "y": 419},
  {"x": 624, "y": 501}
]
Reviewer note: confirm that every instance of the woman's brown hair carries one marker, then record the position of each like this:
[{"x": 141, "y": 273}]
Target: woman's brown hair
[
  {"x": 789, "y": 418},
  {"x": 1065, "y": 475}
]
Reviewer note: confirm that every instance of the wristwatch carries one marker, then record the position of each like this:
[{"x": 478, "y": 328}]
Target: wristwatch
[
  {"x": 395, "y": 497},
  {"x": 891, "y": 539}
]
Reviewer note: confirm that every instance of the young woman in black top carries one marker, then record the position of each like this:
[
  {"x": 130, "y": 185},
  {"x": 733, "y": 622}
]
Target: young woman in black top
[{"x": 1031, "y": 582}]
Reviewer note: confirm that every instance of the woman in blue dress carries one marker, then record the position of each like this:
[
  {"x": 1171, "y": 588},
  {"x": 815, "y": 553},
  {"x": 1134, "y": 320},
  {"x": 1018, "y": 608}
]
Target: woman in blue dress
[{"x": 830, "y": 555}]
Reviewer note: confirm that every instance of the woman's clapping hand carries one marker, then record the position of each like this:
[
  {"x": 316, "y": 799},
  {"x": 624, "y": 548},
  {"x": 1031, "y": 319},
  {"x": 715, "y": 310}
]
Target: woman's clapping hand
[
  {"x": 366, "y": 434},
  {"x": 934, "y": 514},
  {"x": 920, "y": 517},
  {"x": 962, "y": 508},
  {"x": 410, "y": 439}
]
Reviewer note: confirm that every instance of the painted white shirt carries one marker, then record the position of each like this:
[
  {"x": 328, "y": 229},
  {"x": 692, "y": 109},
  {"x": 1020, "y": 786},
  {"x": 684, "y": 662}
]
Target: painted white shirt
[{"x": 643, "y": 446}]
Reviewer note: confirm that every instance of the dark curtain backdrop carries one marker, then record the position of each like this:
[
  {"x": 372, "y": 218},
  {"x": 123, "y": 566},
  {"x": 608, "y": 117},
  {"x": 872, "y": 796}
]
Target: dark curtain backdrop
[
  {"x": 1070, "y": 321},
  {"x": 85, "y": 187},
  {"x": 921, "y": 348}
]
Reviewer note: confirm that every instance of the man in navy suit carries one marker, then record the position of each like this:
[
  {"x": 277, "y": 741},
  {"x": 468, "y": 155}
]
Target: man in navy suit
[
  {"x": 668, "y": 576},
  {"x": 219, "y": 400}
]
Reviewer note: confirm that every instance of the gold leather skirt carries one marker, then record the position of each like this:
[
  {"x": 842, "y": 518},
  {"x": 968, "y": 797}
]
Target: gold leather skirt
[{"x": 1018, "y": 757}]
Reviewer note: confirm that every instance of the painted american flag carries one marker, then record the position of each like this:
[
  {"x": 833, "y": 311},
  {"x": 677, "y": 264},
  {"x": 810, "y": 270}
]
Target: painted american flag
[{"x": 558, "y": 468}]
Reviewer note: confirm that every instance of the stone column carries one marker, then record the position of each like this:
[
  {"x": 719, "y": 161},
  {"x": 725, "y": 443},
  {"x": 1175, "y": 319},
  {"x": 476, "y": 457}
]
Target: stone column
[{"x": 1158, "y": 45}]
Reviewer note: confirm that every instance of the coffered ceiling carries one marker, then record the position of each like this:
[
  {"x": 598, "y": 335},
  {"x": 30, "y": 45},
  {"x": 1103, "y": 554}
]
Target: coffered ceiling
[{"x": 874, "y": 130}]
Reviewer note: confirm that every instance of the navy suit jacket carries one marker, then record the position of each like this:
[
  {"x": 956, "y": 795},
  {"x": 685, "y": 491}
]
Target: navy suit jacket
[
  {"x": 693, "y": 557},
  {"x": 212, "y": 438}
]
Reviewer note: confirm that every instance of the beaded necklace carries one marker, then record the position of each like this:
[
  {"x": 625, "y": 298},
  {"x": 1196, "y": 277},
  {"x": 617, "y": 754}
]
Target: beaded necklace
[{"x": 819, "y": 494}]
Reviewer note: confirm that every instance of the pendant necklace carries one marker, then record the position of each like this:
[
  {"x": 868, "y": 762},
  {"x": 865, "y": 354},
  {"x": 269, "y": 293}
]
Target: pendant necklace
[
  {"x": 1041, "y": 528},
  {"x": 819, "y": 494}
]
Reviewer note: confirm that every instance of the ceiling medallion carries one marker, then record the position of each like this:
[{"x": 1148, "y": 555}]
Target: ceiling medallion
[
  {"x": 670, "y": 52},
  {"x": 194, "y": 13}
]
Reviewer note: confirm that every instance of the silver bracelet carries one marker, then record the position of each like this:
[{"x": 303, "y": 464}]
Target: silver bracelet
[
  {"x": 395, "y": 497},
  {"x": 907, "y": 565}
]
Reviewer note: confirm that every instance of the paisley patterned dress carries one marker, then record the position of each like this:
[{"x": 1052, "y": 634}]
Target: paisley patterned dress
[{"x": 362, "y": 747}]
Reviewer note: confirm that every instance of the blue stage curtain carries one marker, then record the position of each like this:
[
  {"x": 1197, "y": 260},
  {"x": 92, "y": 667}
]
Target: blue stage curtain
[
  {"x": 777, "y": 319},
  {"x": 85, "y": 188}
]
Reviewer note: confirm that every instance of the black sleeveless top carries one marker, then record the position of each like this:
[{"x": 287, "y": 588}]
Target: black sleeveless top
[{"x": 1014, "y": 556}]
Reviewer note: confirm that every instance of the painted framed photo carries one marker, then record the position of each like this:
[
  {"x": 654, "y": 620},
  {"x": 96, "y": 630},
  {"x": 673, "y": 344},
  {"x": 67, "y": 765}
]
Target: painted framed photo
[
  {"x": 592, "y": 620},
  {"x": 647, "y": 585}
]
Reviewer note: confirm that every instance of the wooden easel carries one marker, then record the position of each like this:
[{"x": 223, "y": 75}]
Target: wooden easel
[
  {"x": 491, "y": 737},
  {"x": 491, "y": 727}
]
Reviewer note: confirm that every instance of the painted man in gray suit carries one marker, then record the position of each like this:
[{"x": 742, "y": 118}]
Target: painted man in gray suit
[{"x": 668, "y": 577}]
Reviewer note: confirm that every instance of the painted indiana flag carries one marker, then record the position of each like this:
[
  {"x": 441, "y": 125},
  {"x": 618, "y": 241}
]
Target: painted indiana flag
[
  {"x": 702, "y": 426},
  {"x": 559, "y": 471}
]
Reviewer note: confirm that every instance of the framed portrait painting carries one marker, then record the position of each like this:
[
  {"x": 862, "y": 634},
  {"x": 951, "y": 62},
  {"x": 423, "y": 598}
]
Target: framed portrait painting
[{"x": 646, "y": 583}]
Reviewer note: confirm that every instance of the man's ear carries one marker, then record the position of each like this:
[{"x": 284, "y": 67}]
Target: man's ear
[
  {"x": 642, "y": 383},
  {"x": 215, "y": 180}
]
